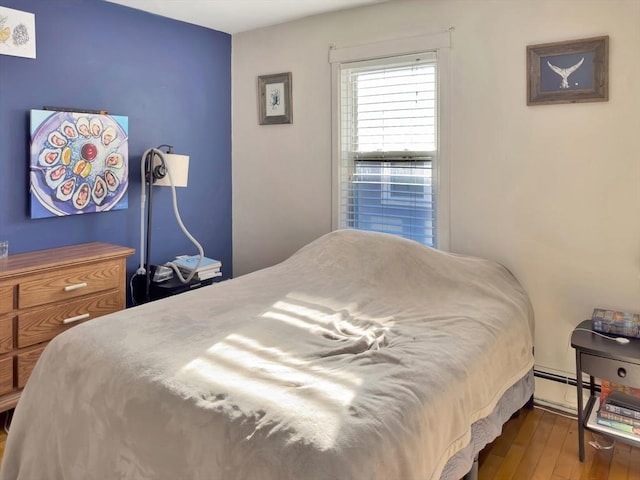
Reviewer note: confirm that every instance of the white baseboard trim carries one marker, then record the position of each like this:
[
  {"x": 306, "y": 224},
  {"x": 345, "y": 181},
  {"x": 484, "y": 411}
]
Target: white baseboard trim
[
  {"x": 557, "y": 395},
  {"x": 555, "y": 406}
]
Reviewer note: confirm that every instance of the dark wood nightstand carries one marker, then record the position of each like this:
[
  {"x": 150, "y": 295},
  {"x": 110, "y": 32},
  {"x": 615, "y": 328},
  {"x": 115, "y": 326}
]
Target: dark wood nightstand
[{"x": 605, "y": 359}]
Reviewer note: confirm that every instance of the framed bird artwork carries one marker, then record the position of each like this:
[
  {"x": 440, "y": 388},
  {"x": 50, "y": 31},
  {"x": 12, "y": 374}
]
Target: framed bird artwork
[{"x": 568, "y": 72}]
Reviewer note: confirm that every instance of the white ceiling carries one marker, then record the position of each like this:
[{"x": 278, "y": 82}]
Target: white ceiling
[{"x": 234, "y": 16}]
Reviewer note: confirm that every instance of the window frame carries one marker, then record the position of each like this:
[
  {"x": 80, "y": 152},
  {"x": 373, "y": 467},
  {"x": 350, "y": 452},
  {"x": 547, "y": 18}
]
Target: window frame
[{"x": 438, "y": 43}]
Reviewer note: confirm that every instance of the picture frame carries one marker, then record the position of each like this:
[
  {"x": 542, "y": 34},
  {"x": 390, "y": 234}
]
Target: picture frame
[
  {"x": 17, "y": 33},
  {"x": 79, "y": 162},
  {"x": 274, "y": 99},
  {"x": 572, "y": 71}
]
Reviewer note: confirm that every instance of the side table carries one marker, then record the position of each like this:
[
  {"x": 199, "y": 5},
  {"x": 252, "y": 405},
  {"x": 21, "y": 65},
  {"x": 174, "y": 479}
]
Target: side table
[{"x": 602, "y": 358}]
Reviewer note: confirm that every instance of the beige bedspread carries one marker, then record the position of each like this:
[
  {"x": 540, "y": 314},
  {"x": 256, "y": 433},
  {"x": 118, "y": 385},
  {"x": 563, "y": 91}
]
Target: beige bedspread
[{"x": 362, "y": 356}]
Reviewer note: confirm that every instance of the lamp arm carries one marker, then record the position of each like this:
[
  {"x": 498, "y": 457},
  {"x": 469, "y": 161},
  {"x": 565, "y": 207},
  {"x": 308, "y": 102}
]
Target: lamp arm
[{"x": 143, "y": 198}]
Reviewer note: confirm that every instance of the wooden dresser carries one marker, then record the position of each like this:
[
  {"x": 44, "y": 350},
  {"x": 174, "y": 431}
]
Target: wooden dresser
[{"x": 44, "y": 293}]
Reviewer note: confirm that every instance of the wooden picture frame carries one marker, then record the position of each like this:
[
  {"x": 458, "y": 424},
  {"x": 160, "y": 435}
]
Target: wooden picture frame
[
  {"x": 574, "y": 71},
  {"x": 17, "y": 33},
  {"x": 274, "y": 99}
]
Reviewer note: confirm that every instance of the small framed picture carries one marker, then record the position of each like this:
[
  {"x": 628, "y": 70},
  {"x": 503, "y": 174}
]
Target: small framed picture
[
  {"x": 17, "y": 33},
  {"x": 568, "y": 72},
  {"x": 274, "y": 97}
]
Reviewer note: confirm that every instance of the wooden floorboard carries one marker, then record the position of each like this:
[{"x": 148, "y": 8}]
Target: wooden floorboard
[
  {"x": 634, "y": 464},
  {"x": 542, "y": 427},
  {"x": 541, "y": 445}
]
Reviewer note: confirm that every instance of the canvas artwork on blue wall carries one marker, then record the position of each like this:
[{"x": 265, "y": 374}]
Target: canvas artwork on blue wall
[{"x": 79, "y": 163}]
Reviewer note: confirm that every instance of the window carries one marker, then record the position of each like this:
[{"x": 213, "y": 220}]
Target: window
[{"x": 388, "y": 134}]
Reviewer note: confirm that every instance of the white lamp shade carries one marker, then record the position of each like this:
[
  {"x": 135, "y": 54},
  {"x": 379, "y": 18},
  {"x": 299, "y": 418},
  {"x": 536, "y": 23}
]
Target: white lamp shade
[{"x": 178, "y": 165}]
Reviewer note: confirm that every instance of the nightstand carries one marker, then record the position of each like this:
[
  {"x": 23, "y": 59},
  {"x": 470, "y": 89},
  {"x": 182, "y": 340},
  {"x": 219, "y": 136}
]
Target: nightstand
[
  {"x": 174, "y": 286},
  {"x": 605, "y": 359}
]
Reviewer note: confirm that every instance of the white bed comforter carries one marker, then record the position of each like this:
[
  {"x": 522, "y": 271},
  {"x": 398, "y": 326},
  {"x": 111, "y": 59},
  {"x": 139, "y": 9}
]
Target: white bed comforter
[{"x": 362, "y": 356}]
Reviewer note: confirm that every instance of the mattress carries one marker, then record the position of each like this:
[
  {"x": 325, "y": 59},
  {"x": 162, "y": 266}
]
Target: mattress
[{"x": 362, "y": 356}]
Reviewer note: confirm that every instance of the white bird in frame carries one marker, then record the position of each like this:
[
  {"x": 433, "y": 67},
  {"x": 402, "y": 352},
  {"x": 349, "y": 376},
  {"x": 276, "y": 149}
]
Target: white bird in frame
[{"x": 565, "y": 72}]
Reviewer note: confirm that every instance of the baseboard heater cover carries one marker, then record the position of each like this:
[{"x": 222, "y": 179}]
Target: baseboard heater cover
[{"x": 563, "y": 379}]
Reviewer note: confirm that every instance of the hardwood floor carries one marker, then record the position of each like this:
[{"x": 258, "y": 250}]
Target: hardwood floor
[{"x": 541, "y": 445}]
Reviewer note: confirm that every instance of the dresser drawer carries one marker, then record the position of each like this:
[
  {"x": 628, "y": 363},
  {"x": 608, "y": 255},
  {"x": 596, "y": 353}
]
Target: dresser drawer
[
  {"x": 43, "y": 324},
  {"x": 40, "y": 290},
  {"x": 6, "y": 298},
  {"x": 25, "y": 363},
  {"x": 6, "y": 334},
  {"x": 616, "y": 371},
  {"x": 69, "y": 283},
  {"x": 6, "y": 375}
]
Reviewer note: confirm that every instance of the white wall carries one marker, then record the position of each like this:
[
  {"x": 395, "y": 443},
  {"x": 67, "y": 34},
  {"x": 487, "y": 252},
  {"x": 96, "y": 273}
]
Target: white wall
[{"x": 552, "y": 192}]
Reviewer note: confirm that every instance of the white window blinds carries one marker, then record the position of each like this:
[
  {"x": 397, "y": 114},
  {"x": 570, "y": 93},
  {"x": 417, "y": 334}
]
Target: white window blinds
[{"x": 388, "y": 139}]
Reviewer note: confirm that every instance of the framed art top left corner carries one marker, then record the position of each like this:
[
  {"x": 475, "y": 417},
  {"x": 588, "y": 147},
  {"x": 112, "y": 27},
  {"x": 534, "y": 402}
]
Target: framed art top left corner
[{"x": 17, "y": 33}]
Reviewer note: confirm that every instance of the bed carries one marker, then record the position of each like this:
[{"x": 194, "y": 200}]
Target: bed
[{"x": 361, "y": 356}]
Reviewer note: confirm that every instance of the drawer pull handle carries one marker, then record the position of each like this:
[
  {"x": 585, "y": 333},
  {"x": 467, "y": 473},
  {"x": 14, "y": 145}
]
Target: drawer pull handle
[
  {"x": 71, "y": 288},
  {"x": 622, "y": 372},
  {"x": 77, "y": 318}
]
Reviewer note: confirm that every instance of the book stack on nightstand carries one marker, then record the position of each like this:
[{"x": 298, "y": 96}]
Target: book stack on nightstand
[
  {"x": 617, "y": 323},
  {"x": 208, "y": 268},
  {"x": 619, "y": 409},
  {"x": 204, "y": 275}
]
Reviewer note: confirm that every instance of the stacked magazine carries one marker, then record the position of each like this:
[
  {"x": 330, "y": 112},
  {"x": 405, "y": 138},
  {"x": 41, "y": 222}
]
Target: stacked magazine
[
  {"x": 619, "y": 410},
  {"x": 618, "y": 323},
  {"x": 208, "y": 268}
]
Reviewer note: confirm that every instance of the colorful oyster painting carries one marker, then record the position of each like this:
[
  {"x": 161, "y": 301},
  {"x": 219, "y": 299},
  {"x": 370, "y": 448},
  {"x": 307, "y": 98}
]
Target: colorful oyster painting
[
  {"x": 17, "y": 33},
  {"x": 79, "y": 163}
]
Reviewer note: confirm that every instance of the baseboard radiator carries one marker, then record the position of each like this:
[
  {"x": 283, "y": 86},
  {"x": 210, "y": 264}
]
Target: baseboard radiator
[{"x": 563, "y": 379}]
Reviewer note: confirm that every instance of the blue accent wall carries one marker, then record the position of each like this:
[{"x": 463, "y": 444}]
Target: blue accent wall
[{"x": 173, "y": 82}]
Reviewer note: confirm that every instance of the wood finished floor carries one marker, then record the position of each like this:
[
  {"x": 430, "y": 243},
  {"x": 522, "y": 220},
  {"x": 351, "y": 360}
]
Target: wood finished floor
[{"x": 541, "y": 445}]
